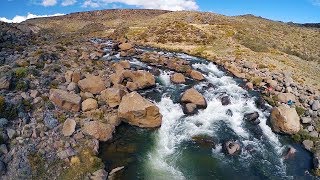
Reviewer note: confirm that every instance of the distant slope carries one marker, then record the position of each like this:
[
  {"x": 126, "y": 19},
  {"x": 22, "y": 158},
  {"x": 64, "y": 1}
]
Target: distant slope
[{"x": 272, "y": 44}]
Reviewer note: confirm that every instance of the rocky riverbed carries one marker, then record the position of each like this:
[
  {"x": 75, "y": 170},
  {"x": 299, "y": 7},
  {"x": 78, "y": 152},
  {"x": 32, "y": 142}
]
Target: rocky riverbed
[{"x": 58, "y": 103}]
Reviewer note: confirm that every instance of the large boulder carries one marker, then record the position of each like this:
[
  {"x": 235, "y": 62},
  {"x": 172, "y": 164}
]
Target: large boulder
[
  {"x": 98, "y": 130},
  {"x": 285, "y": 97},
  {"x": 194, "y": 97},
  {"x": 285, "y": 120},
  {"x": 178, "y": 78},
  {"x": 65, "y": 100},
  {"x": 92, "y": 84},
  {"x": 196, "y": 75},
  {"x": 138, "y": 111},
  {"x": 113, "y": 96},
  {"x": 140, "y": 79}
]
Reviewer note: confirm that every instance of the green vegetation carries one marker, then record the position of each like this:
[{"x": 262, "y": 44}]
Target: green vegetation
[
  {"x": 256, "y": 81},
  {"x": 7, "y": 110},
  {"x": 22, "y": 85},
  {"x": 20, "y": 72},
  {"x": 301, "y": 136},
  {"x": 300, "y": 110},
  {"x": 80, "y": 166}
]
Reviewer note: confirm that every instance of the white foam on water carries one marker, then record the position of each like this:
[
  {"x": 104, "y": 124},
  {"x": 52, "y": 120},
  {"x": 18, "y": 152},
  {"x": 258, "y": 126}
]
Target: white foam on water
[
  {"x": 176, "y": 128},
  {"x": 209, "y": 68},
  {"x": 165, "y": 78},
  {"x": 167, "y": 143},
  {"x": 139, "y": 63}
]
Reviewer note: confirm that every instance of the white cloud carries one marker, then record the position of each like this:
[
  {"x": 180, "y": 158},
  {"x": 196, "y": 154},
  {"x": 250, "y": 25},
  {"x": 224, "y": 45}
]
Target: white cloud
[
  {"x": 316, "y": 2},
  {"x": 68, "y": 2},
  {"x": 49, "y": 2},
  {"x": 90, "y": 3},
  {"x": 19, "y": 19},
  {"x": 174, "y": 5}
]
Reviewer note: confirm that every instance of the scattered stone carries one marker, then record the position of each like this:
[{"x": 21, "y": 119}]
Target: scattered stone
[
  {"x": 65, "y": 100},
  {"x": 314, "y": 134},
  {"x": 249, "y": 85},
  {"x": 72, "y": 86},
  {"x": 69, "y": 127},
  {"x": 138, "y": 111},
  {"x": 11, "y": 133},
  {"x": 285, "y": 120},
  {"x": 34, "y": 93},
  {"x": 125, "y": 46},
  {"x": 308, "y": 144},
  {"x": 92, "y": 84},
  {"x": 125, "y": 64},
  {"x": 2, "y": 168},
  {"x": 196, "y": 75},
  {"x": 68, "y": 76},
  {"x": 89, "y": 104},
  {"x": 3, "y": 149},
  {"x": 306, "y": 120},
  {"x": 76, "y": 76},
  {"x": 178, "y": 78},
  {"x": 114, "y": 171},
  {"x": 49, "y": 121},
  {"x": 100, "y": 174},
  {"x": 285, "y": 97},
  {"x": 140, "y": 79},
  {"x": 315, "y": 105},
  {"x": 98, "y": 130},
  {"x": 5, "y": 82},
  {"x": 232, "y": 147},
  {"x": 3, "y": 122},
  {"x": 193, "y": 96}
]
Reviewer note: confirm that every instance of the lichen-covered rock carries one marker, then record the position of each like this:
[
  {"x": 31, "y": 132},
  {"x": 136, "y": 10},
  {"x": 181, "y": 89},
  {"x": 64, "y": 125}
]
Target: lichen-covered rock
[
  {"x": 285, "y": 120},
  {"x": 65, "y": 100},
  {"x": 138, "y": 111}
]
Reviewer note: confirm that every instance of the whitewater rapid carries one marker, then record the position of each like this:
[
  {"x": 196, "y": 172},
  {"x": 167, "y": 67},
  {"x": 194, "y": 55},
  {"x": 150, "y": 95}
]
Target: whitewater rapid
[{"x": 177, "y": 128}]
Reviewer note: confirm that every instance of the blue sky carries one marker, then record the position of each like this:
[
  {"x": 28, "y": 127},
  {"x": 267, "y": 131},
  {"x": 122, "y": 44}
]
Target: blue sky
[{"x": 301, "y": 11}]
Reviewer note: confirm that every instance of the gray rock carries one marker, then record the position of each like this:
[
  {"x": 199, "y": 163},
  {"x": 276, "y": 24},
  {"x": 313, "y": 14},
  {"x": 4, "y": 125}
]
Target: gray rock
[
  {"x": 72, "y": 86},
  {"x": 2, "y": 168},
  {"x": 11, "y": 133},
  {"x": 3, "y": 122},
  {"x": 310, "y": 128},
  {"x": 3, "y": 149},
  {"x": 315, "y": 105},
  {"x": 306, "y": 120},
  {"x": 34, "y": 93},
  {"x": 5, "y": 82},
  {"x": 314, "y": 134},
  {"x": 101, "y": 174},
  {"x": 232, "y": 147},
  {"x": 49, "y": 121},
  {"x": 308, "y": 144}
]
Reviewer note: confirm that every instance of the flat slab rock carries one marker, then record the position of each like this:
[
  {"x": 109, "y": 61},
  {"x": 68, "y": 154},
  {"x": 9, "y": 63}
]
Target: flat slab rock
[
  {"x": 65, "y": 100},
  {"x": 138, "y": 111}
]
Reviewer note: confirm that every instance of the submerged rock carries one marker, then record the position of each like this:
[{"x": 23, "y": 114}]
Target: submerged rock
[
  {"x": 193, "y": 96},
  {"x": 285, "y": 120},
  {"x": 225, "y": 100},
  {"x": 232, "y": 147},
  {"x": 252, "y": 118},
  {"x": 190, "y": 108},
  {"x": 178, "y": 78},
  {"x": 138, "y": 111},
  {"x": 204, "y": 141},
  {"x": 196, "y": 75}
]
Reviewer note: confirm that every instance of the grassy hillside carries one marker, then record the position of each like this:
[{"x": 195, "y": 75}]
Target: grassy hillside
[{"x": 274, "y": 45}]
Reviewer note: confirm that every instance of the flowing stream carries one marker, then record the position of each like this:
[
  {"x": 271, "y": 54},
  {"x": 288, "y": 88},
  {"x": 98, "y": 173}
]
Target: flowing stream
[{"x": 171, "y": 152}]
